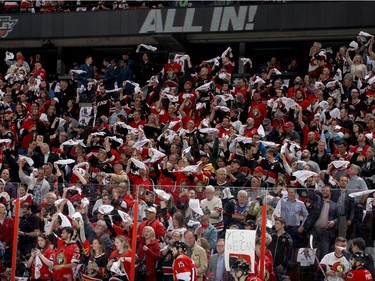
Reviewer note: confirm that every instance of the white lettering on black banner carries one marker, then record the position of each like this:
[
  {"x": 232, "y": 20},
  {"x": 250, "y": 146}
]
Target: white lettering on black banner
[{"x": 223, "y": 19}]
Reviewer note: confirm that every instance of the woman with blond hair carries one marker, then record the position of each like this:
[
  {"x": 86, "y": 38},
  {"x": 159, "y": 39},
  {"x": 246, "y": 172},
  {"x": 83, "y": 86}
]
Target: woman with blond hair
[
  {"x": 357, "y": 67},
  {"x": 152, "y": 127},
  {"x": 120, "y": 260},
  {"x": 149, "y": 255}
]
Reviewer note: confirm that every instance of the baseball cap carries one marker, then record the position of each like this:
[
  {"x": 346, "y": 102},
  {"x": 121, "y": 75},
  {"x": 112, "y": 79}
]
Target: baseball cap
[
  {"x": 151, "y": 209},
  {"x": 76, "y": 197},
  {"x": 266, "y": 121},
  {"x": 259, "y": 169},
  {"x": 288, "y": 124},
  {"x": 204, "y": 154},
  {"x": 236, "y": 161},
  {"x": 206, "y": 211},
  {"x": 26, "y": 205}
]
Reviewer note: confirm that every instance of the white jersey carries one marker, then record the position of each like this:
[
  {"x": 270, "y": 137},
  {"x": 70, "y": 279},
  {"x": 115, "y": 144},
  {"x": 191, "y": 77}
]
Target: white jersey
[{"x": 336, "y": 264}]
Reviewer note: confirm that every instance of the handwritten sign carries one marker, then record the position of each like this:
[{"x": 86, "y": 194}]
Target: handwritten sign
[{"x": 239, "y": 244}]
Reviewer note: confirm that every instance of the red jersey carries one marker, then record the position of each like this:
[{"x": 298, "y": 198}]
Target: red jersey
[
  {"x": 362, "y": 152},
  {"x": 241, "y": 91},
  {"x": 40, "y": 72},
  {"x": 171, "y": 72},
  {"x": 304, "y": 104},
  {"x": 127, "y": 202},
  {"x": 136, "y": 125},
  {"x": 6, "y": 230},
  {"x": 359, "y": 275},
  {"x": 189, "y": 105},
  {"x": 66, "y": 254},
  {"x": 45, "y": 272},
  {"x": 258, "y": 111},
  {"x": 223, "y": 131},
  {"x": 141, "y": 185},
  {"x": 117, "y": 256},
  {"x": 155, "y": 224},
  {"x": 184, "y": 268}
]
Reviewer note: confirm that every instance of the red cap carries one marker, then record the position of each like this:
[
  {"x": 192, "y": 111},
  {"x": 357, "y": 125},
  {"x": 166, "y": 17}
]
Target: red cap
[
  {"x": 189, "y": 82},
  {"x": 259, "y": 169},
  {"x": 20, "y": 57},
  {"x": 76, "y": 197},
  {"x": 27, "y": 201},
  {"x": 288, "y": 124}
]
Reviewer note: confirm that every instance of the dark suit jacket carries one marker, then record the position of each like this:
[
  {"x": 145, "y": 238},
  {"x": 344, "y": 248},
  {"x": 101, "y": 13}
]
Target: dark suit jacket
[
  {"x": 211, "y": 271},
  {"x": 110, "y": 78},
  {"x": 349, "y": 202},
  {"x": 39, "y": 159}
]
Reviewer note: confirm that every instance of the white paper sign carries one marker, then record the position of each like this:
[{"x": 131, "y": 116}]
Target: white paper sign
[
  {"x": 239, "y": 244},
  {"x": 85, "y": 115}
]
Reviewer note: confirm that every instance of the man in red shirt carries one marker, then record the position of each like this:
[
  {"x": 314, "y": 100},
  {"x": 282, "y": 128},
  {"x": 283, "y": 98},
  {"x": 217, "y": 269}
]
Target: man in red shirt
[
  {"x": 171, "y": 72},
  {"x": 67, "y": 254},
  {"x": 257, "y": 109},
  {"x": 241, "y": 87},
  {"x": 300, "y": 99},
  {"x": 39, "y": 71},
  {"x": 184, "y": 268},
  {"x": 137, "y": 120},
  {"x": 153, "y": 222}
]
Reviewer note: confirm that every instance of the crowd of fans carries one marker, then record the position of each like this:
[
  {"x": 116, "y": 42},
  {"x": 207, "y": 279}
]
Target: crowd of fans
[
  {"x": 201, "y": 152},
  {"x": 51, "y": 6}
]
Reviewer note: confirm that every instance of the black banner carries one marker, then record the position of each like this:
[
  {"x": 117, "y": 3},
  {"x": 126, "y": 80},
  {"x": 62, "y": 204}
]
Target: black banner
[{"x": 263, "y": 17}]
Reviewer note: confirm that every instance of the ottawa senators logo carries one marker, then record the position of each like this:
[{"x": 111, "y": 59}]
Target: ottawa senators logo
[
  {"x": 6, "y": 25},
  {"x": 92, "y": 269},
  {"x": 171, "y": 75},
  {"x": 60, "y": 258}
]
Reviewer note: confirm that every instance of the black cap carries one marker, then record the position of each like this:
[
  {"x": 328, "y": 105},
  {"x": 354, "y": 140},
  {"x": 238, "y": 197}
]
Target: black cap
[
  {"x": 241, "y": 265},
  {"x": 180, "y": 245},
  {"x": 360, "y": 257},
  {"x": 266, "y": 121},
  {"x": 236, "y": 161}
]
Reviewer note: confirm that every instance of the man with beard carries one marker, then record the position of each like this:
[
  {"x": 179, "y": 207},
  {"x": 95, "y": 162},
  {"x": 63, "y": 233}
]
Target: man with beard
[
  {"x": 28, "y": 229},
  {"x": 184, "y": 268},
  {"x": 358, "y": 272},
  {"x": 325, "y": 227},
  {"x": 167, "y": 256},
  {"x": 67, "y": 253},
  {"x": 272, "y": 166},
  {"x": 103, "y": 102}
]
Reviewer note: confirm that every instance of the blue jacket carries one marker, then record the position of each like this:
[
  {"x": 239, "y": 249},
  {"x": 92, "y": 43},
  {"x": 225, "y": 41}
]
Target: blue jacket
[
  {"x": 82, "y": 78},
  {"x": 110, "y": 78},
  {"x": 210, "y": 234}
]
